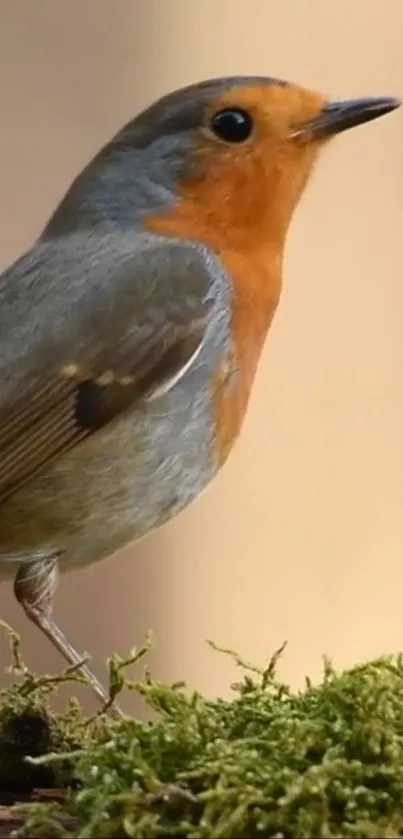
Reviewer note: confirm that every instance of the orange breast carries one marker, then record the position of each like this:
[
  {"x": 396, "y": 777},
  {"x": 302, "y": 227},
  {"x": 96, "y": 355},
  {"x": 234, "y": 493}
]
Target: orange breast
[
  {"x": 256, "y": 291},
  {"x": 255, "y": 275}
]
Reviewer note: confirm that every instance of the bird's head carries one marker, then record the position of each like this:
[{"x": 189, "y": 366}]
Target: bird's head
[
  {"x": 240, "y": 152},
  {"x": 224, "y": 161}
]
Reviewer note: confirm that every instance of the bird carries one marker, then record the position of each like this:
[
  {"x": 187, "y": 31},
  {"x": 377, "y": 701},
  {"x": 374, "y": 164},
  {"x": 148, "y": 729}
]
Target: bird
[{"x": 132, "y": 328}]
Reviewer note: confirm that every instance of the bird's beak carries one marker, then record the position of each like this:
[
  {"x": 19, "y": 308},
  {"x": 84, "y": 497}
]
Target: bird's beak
[{"x": 339, "y": 116}]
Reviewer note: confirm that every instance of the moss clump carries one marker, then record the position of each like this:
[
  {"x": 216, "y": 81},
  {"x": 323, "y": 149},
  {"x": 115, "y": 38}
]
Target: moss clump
[{"x": 326, "y": 761}]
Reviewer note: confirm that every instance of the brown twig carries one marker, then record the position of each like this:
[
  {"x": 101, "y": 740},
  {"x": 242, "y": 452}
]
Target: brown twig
[{"x": 11, "y": 819}]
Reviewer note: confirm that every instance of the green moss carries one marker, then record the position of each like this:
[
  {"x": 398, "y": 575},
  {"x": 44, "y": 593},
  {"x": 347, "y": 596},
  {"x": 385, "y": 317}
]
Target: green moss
[{"x": 326, "y": 761}]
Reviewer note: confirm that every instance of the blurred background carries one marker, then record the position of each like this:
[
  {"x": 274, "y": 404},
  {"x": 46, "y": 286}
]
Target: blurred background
[{"x": 301, "y": 536}]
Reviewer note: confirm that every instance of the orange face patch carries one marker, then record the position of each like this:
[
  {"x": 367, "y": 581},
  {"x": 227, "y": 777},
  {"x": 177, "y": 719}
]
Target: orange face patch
[{"x": 239, "y": 199}]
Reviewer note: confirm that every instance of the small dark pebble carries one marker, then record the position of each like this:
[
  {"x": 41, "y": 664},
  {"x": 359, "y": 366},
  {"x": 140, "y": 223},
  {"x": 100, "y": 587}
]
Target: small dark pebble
[
  {"x": 26, "y": 734},
  {"x": 75, "y": 784}
]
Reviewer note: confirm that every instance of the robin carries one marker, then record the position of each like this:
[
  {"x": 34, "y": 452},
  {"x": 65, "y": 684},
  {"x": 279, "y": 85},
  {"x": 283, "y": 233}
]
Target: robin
[{"x": 131, "y": 330}]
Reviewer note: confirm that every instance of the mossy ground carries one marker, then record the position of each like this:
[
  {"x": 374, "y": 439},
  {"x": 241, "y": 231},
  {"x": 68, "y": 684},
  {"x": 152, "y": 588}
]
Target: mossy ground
[{"x": 326, "y": 761}]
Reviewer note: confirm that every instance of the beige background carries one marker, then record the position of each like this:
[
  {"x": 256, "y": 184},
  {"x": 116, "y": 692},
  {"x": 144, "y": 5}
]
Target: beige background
[{"x": 301, "y": 536}]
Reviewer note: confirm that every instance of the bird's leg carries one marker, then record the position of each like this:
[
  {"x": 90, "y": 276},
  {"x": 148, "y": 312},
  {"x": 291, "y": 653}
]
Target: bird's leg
[{"x": 34, "y": 587}]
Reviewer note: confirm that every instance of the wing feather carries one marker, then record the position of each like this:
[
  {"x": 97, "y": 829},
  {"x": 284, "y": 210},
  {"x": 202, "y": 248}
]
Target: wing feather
[{"x": 123, "y": 335}]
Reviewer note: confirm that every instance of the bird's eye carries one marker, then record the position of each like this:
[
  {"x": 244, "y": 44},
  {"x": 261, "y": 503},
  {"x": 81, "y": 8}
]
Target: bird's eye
[{"x": 232, "y": 125}]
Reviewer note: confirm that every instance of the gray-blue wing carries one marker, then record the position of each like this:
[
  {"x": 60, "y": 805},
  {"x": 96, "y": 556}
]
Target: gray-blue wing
[{"x": 87, "y": 328}]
